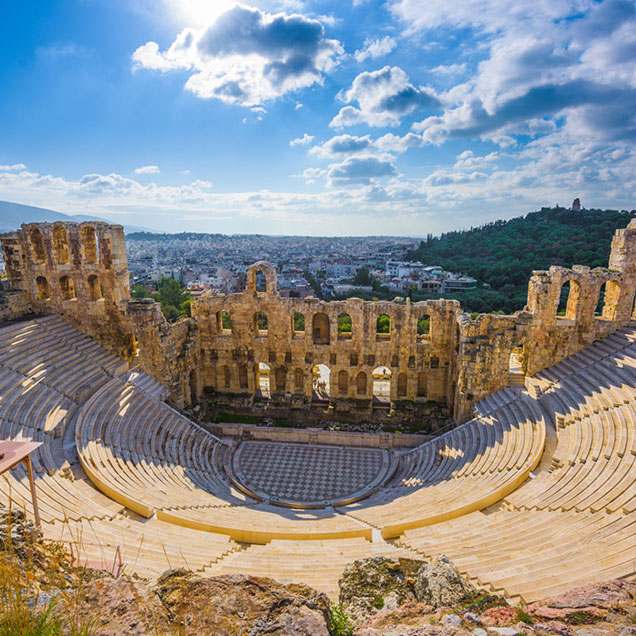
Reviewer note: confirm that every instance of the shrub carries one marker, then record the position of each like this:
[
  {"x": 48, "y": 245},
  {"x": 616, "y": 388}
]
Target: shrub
[{"x": 339, "y": 622}]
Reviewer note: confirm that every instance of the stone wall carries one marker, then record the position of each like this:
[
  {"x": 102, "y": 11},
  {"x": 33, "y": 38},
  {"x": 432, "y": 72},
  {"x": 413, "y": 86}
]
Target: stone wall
[
  {"x": 167, "y": 352},
  {"x": 420, "y": 366},
  {"x": 77, "y": 270},
  {"x": 80, "y": 271}
]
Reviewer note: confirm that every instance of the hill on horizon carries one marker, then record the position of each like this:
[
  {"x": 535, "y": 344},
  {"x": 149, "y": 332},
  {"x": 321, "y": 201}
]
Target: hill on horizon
[
  {"x": 12, "y": 215},
  {"x": 503, "y": 254}
]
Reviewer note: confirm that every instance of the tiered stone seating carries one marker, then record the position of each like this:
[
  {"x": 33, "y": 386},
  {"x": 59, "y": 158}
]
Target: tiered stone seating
[
  {"x": 152, "y": 460},
  {"x": 146, "y": 456},
  {"x": 482, "y": 493},
  {"x": 39, "y": 389},
  {"x": 466, "y": 469},
  {"x": 47, "y": 369},
  {"x": 146, "y": 547},
  {"x": 148, "y": 385},
  {"x": 574, "y": 522},
  {"x": 316, "y": 563}
]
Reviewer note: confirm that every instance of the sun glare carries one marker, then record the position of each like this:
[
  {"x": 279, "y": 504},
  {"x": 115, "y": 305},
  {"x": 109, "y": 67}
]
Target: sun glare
[{"x": 199, "y": 13}]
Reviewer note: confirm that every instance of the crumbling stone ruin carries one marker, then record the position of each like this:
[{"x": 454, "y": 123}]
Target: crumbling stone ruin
[{"x": 233, "y": 342}]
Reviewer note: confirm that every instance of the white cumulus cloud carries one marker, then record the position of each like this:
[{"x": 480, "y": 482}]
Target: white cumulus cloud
[
  {"x": 147, "y": 170},
  {"x": 383, "y": 97},
  {"x": 247, "y": 56},
  {"x": 302, "y": 141},
  {"x": 375, "y": 48}
]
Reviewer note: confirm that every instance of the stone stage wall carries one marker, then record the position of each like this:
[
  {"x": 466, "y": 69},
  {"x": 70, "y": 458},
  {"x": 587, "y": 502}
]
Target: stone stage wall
[{"x": 80, "y": 271}]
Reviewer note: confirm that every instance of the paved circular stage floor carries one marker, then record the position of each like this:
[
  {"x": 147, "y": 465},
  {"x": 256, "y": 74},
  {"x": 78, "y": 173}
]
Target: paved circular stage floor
[{"x": 306, "y": 475}]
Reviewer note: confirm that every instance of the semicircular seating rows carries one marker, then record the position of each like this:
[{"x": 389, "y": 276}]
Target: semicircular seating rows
[
  {"x": 125, "y": 479},
  {"x": 574, "y": 522}
]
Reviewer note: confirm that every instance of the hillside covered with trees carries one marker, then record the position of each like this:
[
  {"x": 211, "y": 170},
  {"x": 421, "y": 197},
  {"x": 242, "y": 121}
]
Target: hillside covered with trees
[{"x": 504, "y": 253}]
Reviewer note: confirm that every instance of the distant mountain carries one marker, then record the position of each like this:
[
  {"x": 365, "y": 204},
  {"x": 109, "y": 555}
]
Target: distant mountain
[{"x": 12, "y": 215}]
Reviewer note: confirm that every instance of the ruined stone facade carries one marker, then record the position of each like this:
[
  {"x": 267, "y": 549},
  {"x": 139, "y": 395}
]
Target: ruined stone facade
[
  {"x": 231, "y": 342},
  {"x": 78, "y": 270}
]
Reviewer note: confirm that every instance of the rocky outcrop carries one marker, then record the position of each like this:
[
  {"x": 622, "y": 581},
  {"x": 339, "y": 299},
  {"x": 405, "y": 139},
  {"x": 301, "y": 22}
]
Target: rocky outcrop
[
  {"x": 603, "y": 609},
  {"x": 441, "y": 585},
  {"x": 17, "y": 532},
  {"x": 181, "y": 602},
  {"x": 237, "y": 604},
  {"x": 121, "y": 606},
  {"x": 370, "y": 585}
]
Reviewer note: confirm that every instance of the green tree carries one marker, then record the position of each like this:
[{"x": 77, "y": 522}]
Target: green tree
[
  {"x": 383, "y": 324},
  {"x": 424, "y": 325},
  {"x": 139, "y": 291},
  {"x": 344, "y": 323},
  {"x": 171, "y": 292},
  {"x": 173, "y": 297},
  {"x": 363, "y": 277},
  {"x": 261, "y": 321},
  {"x": 299, "y": 321}
]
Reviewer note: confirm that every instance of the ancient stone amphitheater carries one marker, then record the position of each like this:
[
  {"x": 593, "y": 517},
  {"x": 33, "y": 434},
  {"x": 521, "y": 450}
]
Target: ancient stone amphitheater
[{"x": 532, "y": 490}]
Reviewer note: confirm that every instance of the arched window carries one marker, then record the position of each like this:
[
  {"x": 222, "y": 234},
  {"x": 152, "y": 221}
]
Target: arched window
[
  {"x": 37, "y": 245},
  {"x": 281, "y": 379},
  {"x": 382, "y": 385},
  {"x": 90, "y": 244},
  {"x": 424, "y": 326},
  {"x": 43, "y": 288},
  {"x": 344, "y": 326},
  {"x": 421, "y": 385},
  {"x": 343, "y": 381},
  {"x": 224, "y": 322},
  {"x": 60, "y": 244},
  {"x": 298, "y": 323},
  {"x": 67, "y": 287},
  {"x": 299, "y": 380},
  {"x": 260, "y": 322},
  {"x": 569, "y": 300},
  {"x": 242, "y": 372},
  {"x": 434, "y": 362},
  {"x": 227, "y": 377},
  {"x": 94, "y": 287},
  {"x": 260, "y": 280},
  {"x": 402, "y": 382},
  {"x": 320, "y": 328},
  {"x": 361, "y": 383},
  {"x": 608, "y": 300},
  {"x": 383, "y": 327},
  {"x": 320, "y": 374}
]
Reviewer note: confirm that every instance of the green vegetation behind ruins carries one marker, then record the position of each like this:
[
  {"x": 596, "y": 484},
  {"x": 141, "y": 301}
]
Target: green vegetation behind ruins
[
  {"x": 504, "y": 253},
  {"x": 172, "y": 295}
]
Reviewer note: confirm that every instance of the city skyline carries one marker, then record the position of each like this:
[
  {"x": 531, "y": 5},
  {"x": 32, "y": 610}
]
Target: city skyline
[{"x": 317, "y": 118}]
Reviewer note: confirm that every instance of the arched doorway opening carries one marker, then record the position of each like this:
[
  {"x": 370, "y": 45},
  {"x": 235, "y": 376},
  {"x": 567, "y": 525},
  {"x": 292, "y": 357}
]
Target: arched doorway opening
[
  {"x": 516, "y": 378},
  {"x": 381, "y": 386},
  {"x": 262, "y": 380},
  {"x": 320, "y": 374}
]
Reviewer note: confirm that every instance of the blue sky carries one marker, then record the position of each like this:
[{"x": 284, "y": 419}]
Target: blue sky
[{"x": 356, "y": 117}]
